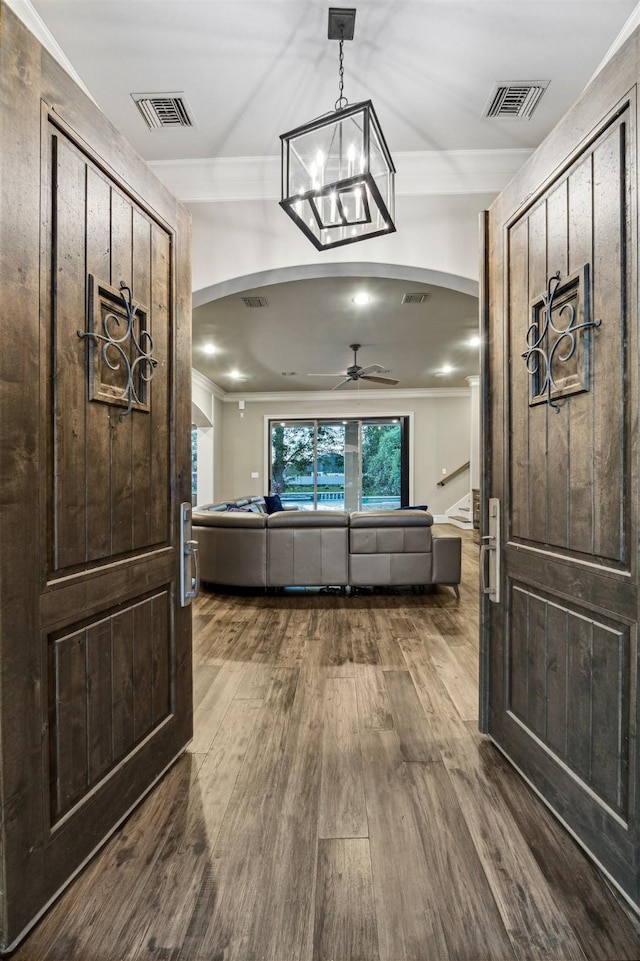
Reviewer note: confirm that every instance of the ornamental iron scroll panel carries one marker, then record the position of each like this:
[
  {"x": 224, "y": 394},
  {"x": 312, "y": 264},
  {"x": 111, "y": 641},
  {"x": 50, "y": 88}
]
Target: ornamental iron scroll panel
[
  {"x": 120, "y": 359},
  {"x": 557, "y": 357}
]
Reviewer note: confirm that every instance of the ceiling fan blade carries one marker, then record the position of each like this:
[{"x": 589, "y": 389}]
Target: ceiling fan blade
[
  {"x": 379, "y": 380},
  {"x": 371, "y": 369},
  {"x": 343, "y": 383},
  {"x": 336, "y": 373}
]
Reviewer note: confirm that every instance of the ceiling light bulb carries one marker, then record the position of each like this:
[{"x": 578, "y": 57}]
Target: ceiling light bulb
[
  {"x": 209, "y": 348},
  {"x": 474, "y": 341},
  {"x": 361, "y": 299},
  {"x": 235, "y": 375},
  {"x": 446, "y": 369}
]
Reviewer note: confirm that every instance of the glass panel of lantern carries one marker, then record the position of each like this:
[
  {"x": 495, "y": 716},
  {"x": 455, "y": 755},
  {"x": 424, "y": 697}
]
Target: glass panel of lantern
[{"x": 337, "y": 177}]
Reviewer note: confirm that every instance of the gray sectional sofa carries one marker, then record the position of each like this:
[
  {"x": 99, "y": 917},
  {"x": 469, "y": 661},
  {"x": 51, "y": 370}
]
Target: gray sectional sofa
[{"x": 246, "y": 547}]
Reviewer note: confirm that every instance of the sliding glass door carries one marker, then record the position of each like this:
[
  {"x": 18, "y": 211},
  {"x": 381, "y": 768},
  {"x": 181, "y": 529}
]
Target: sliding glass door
[{"x": 354, "y": 464}]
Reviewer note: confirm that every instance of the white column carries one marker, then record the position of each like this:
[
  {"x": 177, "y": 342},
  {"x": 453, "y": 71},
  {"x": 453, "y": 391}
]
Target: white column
[{"x": 474, "y": 432}]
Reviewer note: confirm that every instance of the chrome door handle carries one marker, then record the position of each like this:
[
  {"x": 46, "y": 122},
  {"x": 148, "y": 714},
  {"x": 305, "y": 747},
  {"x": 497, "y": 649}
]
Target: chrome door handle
[
  {"x": 189, "y": 573},
  {"x": 491, "y": 550},
  {"x": 191, "y": 550},
  {"x": 484, "y": 553}
]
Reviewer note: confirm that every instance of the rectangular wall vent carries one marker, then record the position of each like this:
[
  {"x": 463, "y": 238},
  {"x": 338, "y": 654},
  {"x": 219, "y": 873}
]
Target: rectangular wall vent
[
  {"x": 163, "y": 109},
  {"x": 515, "y": 101},
  {"x": 255, "y": 302},
  {"x": 415, "y": 298}
]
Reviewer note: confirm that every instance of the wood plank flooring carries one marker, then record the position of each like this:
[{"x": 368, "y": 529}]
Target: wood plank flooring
[{"x": 337, "y": 803}]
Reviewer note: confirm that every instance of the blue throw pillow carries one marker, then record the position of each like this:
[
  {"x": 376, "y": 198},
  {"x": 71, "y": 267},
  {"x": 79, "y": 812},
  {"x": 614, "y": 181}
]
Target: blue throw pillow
[
  {"x": 273, "y": 503},
  {"x": 413, "y": 507}
]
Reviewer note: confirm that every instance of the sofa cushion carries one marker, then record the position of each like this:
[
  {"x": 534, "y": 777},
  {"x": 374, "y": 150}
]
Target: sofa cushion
[
  {"x": 308, "y": 519},
  {"x": 390, "y": 532},
  {"x": 404, "y": 517},
  {"x": 272, "y": 503},
  {"x": 229, "y": 518},
  {"x": 380, "y": 570}
]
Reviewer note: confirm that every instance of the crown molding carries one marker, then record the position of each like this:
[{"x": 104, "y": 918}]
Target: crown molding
[
  {"x": 419, "y": 173},
  {"x": 202, "y": 381},
  {"x": 326, "y": 396}
]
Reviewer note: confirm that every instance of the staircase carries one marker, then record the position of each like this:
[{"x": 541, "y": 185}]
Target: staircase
[{"x": 460, "y": 514}]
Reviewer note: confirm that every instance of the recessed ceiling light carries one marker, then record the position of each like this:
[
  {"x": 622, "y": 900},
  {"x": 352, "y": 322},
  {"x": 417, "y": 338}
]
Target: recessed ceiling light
[
  {"x": 446, "y": 369},
  {"x": 361, "y": 299},
  {"x": 474, "y": 341},
  {"x": 209, "y": 349},
  {"x": 236, "y": 375}
]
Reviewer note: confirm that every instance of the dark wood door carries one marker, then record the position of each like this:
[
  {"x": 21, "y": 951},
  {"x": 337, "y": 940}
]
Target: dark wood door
[
  {"x": 561, "y": 389},
  {"x": 95, "y": 344}
]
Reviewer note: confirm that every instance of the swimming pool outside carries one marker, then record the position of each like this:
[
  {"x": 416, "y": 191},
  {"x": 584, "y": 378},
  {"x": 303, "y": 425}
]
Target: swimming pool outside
[{"x": 334, "y": 500}]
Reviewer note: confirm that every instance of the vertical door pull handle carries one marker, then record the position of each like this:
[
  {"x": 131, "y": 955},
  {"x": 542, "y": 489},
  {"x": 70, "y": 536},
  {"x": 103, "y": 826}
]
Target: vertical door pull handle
[
  {"x": 491, "y": 551},
  {"x": 189, "y": 575},
  {"x": 191, "y": 549}
]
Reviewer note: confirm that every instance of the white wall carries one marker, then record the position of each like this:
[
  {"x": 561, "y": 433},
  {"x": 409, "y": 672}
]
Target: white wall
[
  {"x": 237, "y": 239},
  {"x": 440, "y": 439},
  {"x": 242, "y": 238},
  {"x": 203, "y": 416}
]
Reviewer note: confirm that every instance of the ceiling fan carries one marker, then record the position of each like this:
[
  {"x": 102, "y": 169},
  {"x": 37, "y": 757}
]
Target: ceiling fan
[{"x": 355, "y": 372}]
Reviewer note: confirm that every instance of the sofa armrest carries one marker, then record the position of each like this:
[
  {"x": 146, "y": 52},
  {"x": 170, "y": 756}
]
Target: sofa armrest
[
  {"x": 447, "y": 560},
  {"x": 232, "y": 547}
]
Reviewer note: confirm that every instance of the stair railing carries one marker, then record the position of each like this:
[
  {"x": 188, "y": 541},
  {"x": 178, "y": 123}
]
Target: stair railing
[{"x": 454, "y": 473}]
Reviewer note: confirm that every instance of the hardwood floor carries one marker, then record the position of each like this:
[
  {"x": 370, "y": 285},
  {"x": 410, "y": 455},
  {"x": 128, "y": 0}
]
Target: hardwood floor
[{"x": 338, "y": 803}]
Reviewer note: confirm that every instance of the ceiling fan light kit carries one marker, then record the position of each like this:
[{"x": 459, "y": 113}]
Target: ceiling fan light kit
[{"x": 337, "y": 172}]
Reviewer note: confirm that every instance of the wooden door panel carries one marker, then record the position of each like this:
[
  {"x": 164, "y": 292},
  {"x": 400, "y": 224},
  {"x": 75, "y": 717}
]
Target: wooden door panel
[
  {"x": 101, "y": 502},
  {"x": 160, "y": 301},
  {"x": 95, "y": 680},
  {"x": 572, "y": 448},
  {"x": 109, "y": 686},
  {"x": 562, "y": 651},
  {"x": 98, "y": 263},
  {"x": 573, "y": 692}
]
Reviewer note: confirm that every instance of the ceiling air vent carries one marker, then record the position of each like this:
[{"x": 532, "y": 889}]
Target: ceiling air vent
[
  {"x": 415, "y": 298},
  {"x": 255, "y": 301},
  {"x": 163, "y": 109},
  {"x": 515, "y": 100}
]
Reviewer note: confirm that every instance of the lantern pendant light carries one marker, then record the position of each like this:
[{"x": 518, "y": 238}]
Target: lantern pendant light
[{"x": 337, "y": 172}]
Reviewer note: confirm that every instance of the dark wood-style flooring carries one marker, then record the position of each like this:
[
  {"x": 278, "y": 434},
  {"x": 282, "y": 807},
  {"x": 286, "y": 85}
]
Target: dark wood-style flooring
[{"x": 338, "y": 803}]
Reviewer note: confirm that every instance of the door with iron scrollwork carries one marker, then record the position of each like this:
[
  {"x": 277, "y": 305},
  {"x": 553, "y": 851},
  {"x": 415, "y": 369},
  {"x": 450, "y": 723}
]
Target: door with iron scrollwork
[
  {"x": 95, "y": 679},
  {"x": 561, "y": 391}
]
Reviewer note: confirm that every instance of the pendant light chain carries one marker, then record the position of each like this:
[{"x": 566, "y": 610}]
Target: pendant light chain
[
  {"x": 342, "y": 101},
  {"x": 337, "y": 172}
]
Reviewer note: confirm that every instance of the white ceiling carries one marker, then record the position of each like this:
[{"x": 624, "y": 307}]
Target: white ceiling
[
  {"x": 253, "y": 69},
  {"x": 308, "y": 325}
]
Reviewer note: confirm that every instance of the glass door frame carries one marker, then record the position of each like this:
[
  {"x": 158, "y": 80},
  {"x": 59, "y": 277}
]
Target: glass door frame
[{"x": 404, "y": 421}]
